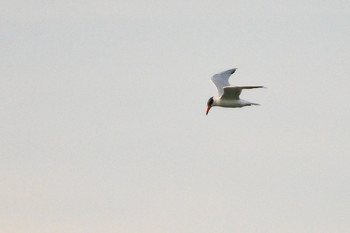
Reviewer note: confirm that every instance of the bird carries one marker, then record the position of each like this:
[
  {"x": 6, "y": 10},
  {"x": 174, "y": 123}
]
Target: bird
[{"x": 228, "y": 96}]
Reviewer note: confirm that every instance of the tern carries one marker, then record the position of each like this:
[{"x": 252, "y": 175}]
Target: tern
[{"x": 228, "y": 96}]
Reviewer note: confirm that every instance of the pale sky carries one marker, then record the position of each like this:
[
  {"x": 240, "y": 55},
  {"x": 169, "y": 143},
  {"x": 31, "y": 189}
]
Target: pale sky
[{"x": 103, "y": 125}]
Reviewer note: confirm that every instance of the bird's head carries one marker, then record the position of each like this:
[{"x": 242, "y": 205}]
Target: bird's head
[{"x": 210, "y": 104}]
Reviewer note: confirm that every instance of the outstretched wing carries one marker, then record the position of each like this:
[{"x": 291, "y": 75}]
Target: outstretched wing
[
  {"x": 220, "y": 80},
  {"x": 234, "y": 92}
]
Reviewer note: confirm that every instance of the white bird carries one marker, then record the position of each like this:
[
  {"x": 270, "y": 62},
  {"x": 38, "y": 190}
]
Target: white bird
[{"x": 228, "y": 96}]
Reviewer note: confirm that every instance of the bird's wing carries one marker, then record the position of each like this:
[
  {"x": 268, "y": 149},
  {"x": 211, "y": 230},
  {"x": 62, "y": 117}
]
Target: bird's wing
[
  {"x": 220, "y": 80},
  {"x": 234, "y": 92}
]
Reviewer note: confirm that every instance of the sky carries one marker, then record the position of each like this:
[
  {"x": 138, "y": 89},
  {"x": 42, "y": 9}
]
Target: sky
[{"x": 103, "y": 125}]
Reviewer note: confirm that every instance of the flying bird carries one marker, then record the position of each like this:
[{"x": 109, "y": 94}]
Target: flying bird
[{"x": 228, "y": 96}]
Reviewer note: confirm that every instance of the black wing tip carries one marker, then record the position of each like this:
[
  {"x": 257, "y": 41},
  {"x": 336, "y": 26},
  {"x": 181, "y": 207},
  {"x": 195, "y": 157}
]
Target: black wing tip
[{"x": 233, "y": 70}]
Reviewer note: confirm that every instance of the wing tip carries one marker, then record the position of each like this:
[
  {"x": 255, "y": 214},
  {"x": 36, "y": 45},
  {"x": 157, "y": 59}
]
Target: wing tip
[{"x": 233, "y": 70}]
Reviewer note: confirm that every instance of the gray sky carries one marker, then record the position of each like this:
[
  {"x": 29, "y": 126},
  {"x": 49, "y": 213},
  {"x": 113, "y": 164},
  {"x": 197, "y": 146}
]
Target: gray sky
[{"x": 103, "y": 122}]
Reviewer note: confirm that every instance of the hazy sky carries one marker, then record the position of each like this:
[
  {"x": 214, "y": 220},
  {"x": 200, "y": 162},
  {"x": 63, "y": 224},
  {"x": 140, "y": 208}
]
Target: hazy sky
[{"x": 103, "y": 125}]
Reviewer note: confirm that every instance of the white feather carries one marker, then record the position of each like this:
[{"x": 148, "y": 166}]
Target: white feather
[{"x": 220, "y": 80}]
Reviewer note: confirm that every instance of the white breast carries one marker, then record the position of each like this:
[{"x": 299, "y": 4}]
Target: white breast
[{"x": 231, "y": 103}]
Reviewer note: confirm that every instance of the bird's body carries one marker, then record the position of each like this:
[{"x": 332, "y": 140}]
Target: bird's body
[
  {"x": 231, "y": 103},
  {"x": 228, "y": 96}
]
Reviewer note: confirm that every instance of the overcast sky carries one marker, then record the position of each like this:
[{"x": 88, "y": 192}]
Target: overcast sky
[{"x": 103, "y": 125}]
